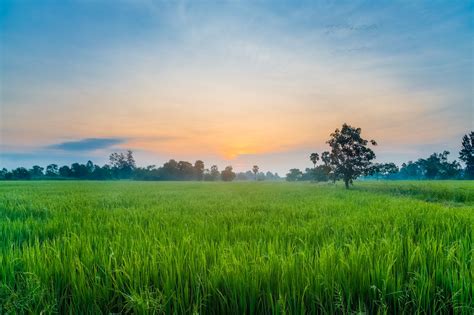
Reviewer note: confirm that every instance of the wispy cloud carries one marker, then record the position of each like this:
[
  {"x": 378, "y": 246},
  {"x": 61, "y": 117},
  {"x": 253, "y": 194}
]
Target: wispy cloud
[{"x": 88, "y": 144}]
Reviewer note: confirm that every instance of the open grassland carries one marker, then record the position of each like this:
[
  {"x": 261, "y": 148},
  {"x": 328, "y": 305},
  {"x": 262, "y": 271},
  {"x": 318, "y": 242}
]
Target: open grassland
[{"x": 233, "y": 248}]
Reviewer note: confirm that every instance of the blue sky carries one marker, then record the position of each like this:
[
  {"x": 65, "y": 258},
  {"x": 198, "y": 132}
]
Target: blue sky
[{"x": 231, "y": 82}]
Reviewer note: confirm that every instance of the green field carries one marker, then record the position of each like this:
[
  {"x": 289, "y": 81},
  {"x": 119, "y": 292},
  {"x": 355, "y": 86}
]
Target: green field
[{"x": 234, "y": 248}]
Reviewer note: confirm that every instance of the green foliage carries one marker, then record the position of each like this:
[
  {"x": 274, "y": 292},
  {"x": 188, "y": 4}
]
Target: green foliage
[
  {"x": 350, "y": 156},
  {"x": 436, "y": 166},
  {"x": 227, "y": 174},
  {"x": 467, "y": 154},
  {"x": 294, "y": 175},
  {"x": 235, "y": 248}
]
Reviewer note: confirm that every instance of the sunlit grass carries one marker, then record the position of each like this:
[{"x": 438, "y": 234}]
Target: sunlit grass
[{"x": 99, "y": 247}]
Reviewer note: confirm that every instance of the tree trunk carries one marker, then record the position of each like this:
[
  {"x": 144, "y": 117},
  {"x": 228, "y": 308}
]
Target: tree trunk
[{"x": 346, "y": 181}]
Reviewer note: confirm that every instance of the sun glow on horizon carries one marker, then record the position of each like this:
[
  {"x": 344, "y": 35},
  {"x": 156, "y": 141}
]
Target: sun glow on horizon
[{"x": 234, "y": 81}]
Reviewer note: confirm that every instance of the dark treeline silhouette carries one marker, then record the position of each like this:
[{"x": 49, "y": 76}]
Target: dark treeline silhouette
[
  {"x": 350, "y": 158},
  {"x": 123, "y": 166}
]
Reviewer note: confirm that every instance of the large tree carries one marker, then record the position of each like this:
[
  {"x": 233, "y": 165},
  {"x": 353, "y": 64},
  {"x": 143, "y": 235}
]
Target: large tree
[
  {"x": 467, "y": 154},
  {"x": 350, "y": 155}
]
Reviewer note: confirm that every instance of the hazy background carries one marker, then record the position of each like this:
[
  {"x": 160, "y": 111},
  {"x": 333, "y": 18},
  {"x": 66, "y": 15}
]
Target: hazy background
[{"x": 236, "y": 82}]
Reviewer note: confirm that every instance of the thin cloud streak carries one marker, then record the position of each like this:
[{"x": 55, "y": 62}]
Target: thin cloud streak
[{"x": 89, "y": 144}]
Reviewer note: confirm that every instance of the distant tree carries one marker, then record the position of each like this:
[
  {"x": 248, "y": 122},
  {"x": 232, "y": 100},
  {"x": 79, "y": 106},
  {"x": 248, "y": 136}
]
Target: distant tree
[
  {"x": 383, "y": 170},
  {"x": 436, "y": 166},
  {"x": 308, "y": 175},
  {"x": 215, "y": 172},
  {"x": 269, "y": 176},
  {"x": 314, "y": 157},
  {"x": 79, "y": 171},
  {"x": 411, "y": 170},
  {"x": 241, "y": 176},
  {"x": 350, "y": 155},
  {"x": 294, "y": 175},
  {"x": 101, "y": 173},
  {"x": 227, "y": 174},
  {"x": 467, "y": 155},
  {"x": 90, "y": 168},
  {"x": 199, "y": 169},
  {"x": 250, "y": 175},
  {"x": 21, "y": 173},
  {"x": 3, "y": 173},
  {"x": 326, "y": 158},
  {"x": 255, "y": 170},
  {"x": 170, "y": 170},
  {"x": 321, "y": 173},
  {"x": 130, "y": 159},
  {"x": 186, "y": 170},
  {"x": 36, "y": 172},
  {"x": 65, "y": 171},
  {"x": 52, "y": 170},
  {"x": 122, "y": 164}
]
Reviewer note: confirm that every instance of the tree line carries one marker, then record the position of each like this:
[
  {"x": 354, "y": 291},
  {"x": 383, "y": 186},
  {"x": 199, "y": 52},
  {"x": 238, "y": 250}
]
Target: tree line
[
  {"x": 123, "y": 166},
  {"x": 351, "y": 157}
]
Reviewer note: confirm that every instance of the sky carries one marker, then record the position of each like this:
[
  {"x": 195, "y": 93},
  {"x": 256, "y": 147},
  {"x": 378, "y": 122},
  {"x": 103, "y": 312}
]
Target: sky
[{"x": 231, "y": 83}]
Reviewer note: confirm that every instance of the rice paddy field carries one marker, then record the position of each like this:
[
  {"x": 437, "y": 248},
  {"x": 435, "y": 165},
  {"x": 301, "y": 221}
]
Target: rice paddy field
[{"x": 236, "y": 248}]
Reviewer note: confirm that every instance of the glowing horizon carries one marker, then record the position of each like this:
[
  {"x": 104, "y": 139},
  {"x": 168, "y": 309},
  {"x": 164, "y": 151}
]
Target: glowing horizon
[{"x": 237, "y": 83}]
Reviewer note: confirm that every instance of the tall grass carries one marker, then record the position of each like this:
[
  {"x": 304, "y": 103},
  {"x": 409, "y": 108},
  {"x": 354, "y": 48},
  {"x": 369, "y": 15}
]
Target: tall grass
[{"x": 88, "y": 247}]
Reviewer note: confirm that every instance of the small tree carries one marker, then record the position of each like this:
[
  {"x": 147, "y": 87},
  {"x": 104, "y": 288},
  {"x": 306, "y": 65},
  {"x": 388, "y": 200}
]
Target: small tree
[
  {"x": 199, "y": 169},
  {"x": 36, "y": 172},
  {"x": 227, "y": 174},
  {"x": 350, "y": 155},
  {"x": 52, "y": 170},
  {"x": 214, "y": 172},
  {"x": 255, "y": 170},
  {"x": 314, "y": 157},
  {"x": 294, "y": 175},
  {"x": 122, "y": 164},
  {"x": 467, "y": 155}
]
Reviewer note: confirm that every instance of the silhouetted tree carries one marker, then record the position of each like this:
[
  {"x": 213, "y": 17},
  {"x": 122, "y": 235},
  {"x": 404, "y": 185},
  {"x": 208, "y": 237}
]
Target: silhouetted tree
[
  {"x": 90, "y": 168},
  {"x": 21, "y": 173},
  {"x": 269, "y": 176},
  {"x": 294, "y": 175},
  {"x": 255, "y": 171},
  {"x": 122, "y": 164},
  {"x": 170, "y": 170},
  {"x": 314, "y": 157},
  {"x": 227, "y": 174},
  {"x": 350, "y": 155},
  {"x": 52, "y": 170},
  {"x": 186, "y": 170},
  {"x": 467, "y": 155},
  {"x": 411, "y": 170},
  {"x": 199, "y": 169},
  {"x": 3, "y": 173},
  {"x": 436, "y": 166},
  {"x": 36, "y": 172},
  {"x": 215, "y": 172},
  {"x": 326, "y": 158},
  {"x": 65, "y": 171},
  {"x": 383, "y": 170}
]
